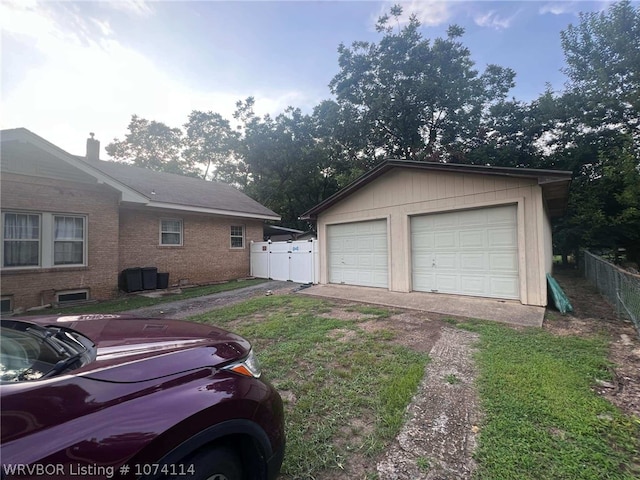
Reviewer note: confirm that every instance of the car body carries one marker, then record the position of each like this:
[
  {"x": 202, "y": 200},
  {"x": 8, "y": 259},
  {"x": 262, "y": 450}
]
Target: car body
[{"x": 141, "y": 398}]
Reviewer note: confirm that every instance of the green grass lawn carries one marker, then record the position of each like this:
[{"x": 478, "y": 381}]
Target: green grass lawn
[
  {"x": 542, "y": 420},
  {"x": 345, "y": 389},
  {"x": 131, "y": 302}
]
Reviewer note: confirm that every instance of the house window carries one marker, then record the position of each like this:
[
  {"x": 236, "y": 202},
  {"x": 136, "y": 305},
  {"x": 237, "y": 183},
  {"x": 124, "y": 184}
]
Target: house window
[
  {"x": 21, "y": 234},
  {"x": 43, "y": 240},
  {"x": 170, "y": 232},
  {"x": 237, "y": 236},
  {"x": 72, "y": 296},
  {"x": 68, "y": 240},
  {"x": 6, "y": 305}
]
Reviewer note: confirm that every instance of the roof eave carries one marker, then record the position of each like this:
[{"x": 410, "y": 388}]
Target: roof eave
[
  {"x": 544, "y": 177},
  {"x": 214, "y": 211}
]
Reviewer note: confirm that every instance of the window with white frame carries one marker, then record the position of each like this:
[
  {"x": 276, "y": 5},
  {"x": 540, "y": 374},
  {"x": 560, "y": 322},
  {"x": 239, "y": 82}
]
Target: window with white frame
[
  {"x": 170, "y": 231},
  {"x": 68, "y": 240},
  {"x": 43, "y": 240},
  {"x": 237, "y": 236},
  {"x": 21, "y": 235}
]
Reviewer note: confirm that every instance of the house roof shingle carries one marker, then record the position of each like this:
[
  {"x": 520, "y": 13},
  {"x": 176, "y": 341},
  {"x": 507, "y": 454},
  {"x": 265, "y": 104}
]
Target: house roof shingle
[
  {"x": 143, "y": 186},
  {"x": 168, "y": 188}
]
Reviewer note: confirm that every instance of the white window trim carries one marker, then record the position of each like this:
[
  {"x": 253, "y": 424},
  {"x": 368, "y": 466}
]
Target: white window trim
[
  {"x": 47, "y": 240},
  {"x": 231, "y": 237},
  {"x": 161, "y": 232}
]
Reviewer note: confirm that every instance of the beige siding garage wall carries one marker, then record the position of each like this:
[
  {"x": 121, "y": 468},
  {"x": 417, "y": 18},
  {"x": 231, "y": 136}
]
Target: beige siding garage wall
[{"x": 399, "y": 194}]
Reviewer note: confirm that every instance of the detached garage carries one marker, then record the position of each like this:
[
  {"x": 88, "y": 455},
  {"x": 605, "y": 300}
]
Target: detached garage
[{"x": 443, "y": 228}]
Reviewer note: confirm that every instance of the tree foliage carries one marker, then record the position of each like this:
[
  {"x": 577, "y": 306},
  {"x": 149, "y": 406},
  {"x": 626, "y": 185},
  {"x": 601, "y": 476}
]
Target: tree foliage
[
  {"x": 288, "y": 168},
  {"x": 416, "y": 99},
  {"x": 152, "y": 145},
  {"x": 211, "y": 143},
  {"x": 598, "y": 137}
]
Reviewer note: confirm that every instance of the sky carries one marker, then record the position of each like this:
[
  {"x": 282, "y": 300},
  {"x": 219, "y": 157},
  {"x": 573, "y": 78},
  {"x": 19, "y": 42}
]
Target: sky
[{"x": 70, "y": 68}]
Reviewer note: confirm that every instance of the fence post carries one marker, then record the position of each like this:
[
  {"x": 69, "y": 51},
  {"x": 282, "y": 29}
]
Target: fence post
[{"x": 618, "y": 296}]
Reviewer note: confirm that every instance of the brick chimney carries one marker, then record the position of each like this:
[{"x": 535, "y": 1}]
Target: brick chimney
[{"x": 93, "y": 149}]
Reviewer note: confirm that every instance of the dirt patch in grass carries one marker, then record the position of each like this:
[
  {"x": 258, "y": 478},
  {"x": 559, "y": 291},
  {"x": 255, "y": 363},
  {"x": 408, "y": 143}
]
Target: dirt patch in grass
[
  {"x": 346, "y": 312},
  {"x": 593, "y": 315}
]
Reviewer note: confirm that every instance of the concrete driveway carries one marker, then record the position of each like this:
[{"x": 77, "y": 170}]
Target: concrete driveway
[{"x": 504, "y": 311}]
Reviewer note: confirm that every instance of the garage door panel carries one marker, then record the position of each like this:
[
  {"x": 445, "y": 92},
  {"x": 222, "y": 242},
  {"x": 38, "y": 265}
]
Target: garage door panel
[
  {"x": 473, "y": 261},
  {"x": 426, "y": 282},
  {"x": 444, "y": 239},
  {"x": 507, "y": 262},
  {"x": 471, "y": 238},
  {"x": 424, "y": 241},
  {"x": 475, "y": 285},
  {"x": 469, "y": 218},
  {"x": 447, "y": 261},
  {"x": 501, "y": 215},
  {"x": 446, "y": 283},
  {"x": 503, "y": 287},
  {"x": 473, "y": 252},
  {"x": 364, "y": 244},
  {"x": 502, "y": 237},
  {"x": 358, "y": 253},
  {"x": 443, "y": 221},
  {"x": 380, "y": 262}
]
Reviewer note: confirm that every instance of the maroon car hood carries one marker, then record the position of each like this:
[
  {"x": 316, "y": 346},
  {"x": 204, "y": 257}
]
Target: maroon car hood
[{"x": 131, "y": 349}]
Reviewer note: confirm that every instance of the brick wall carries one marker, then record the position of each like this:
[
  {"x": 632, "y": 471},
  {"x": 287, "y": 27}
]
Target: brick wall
[
  {"x": 99, "y": 203},
  {"x": 205, "y": 255},
  {"x": 119, "y": 238}
]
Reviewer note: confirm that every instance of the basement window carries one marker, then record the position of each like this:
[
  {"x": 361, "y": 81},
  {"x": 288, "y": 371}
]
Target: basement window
[
  {"x": 72, "y": 296},
  {"x": 6, "y": 305}
]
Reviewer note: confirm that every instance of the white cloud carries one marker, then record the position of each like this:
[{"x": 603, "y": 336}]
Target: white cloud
[
  {"x": 570, "y": 7},
  {"x": 558, "y": 8},
  {"x": 140, "y": 8},
  {"x": 493, "y": 20},
  {"x": 73, "y": 76},
  {"x": 428, "y": 12}
]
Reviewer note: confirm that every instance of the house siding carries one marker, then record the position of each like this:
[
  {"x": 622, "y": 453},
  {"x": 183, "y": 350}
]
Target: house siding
[
  {"x": 205, "y": 255},
  {"x": 99, "y": 204},
  {"x": 401, "y": 193}
]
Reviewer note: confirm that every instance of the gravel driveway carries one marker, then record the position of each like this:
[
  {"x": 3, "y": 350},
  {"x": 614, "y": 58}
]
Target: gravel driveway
[{"x": 192, "y": 306}]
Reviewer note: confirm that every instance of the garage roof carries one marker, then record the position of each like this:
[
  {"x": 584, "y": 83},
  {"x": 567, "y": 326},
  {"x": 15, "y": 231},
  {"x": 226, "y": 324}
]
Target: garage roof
[{"x": 554, "y": 183}]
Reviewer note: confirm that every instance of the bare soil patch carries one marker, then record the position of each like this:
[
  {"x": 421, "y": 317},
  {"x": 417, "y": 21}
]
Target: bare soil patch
[{"x": 593, "y": 315}]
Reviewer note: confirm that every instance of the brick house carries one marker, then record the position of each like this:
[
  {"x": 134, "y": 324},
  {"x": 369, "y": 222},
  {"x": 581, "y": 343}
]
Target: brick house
[{"x": 71, "y": 224}]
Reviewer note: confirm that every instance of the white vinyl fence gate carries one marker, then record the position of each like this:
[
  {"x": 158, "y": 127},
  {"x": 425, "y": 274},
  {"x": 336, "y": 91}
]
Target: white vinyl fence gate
[{"x": 287, "y": 261}]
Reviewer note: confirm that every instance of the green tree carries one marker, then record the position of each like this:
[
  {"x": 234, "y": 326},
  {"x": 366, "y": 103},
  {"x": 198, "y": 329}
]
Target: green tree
[
  {"x": 417, "y": 99},
  {"x": 597, "y": 133},
  {"x": 152, "y": 145},
  {"x": 211, "y": 142},
  {"x": 602, "y": 54},
  {"x": 288, "y": 168}
]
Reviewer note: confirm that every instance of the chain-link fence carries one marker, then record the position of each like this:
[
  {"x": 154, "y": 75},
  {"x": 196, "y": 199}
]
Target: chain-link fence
[{"x": 621, "y": 288}]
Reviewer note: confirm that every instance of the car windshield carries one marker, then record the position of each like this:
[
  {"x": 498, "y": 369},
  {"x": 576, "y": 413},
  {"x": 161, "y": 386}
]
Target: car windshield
[{"x": 31, "y": 352}]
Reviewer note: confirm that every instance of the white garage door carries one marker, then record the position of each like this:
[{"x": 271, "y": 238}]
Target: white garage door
[
  {"x": 471, "y": 252},
  {"x": 357, "y": 253}
]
